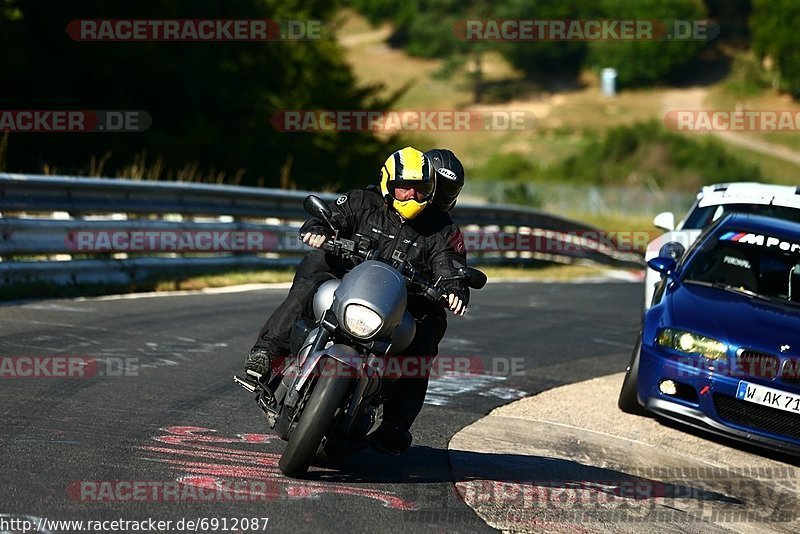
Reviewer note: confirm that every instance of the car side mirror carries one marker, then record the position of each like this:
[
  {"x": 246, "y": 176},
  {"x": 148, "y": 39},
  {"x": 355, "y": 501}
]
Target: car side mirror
[
  {"x": 665, "y": 220},
  {"x": 663, "y": 265}
]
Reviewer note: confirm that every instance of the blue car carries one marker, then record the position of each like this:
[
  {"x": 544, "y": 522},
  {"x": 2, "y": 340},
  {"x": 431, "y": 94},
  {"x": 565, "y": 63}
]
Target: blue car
[{"x": 720, "y": 347}]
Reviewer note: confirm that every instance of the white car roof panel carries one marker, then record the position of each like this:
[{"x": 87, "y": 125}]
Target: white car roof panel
[{"x": 751, "y": 195}]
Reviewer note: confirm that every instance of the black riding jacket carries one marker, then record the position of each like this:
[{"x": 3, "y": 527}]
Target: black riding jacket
[{"x": 431, "y": 241}]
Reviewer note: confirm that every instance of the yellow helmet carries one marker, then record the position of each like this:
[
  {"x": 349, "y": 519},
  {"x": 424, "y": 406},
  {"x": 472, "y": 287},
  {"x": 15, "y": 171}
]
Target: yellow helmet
[{"x": 408, "y": 168}]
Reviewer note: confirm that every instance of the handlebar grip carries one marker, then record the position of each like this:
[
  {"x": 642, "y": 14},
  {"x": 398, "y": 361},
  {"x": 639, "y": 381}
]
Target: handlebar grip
[{"x": 345, "y": 248}]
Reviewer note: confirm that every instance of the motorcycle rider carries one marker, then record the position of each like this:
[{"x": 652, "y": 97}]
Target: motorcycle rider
[
  {"x": 406, "y": 218},
  {"x": 449, "y": 177},
  {"x": 314, "y": 269}
]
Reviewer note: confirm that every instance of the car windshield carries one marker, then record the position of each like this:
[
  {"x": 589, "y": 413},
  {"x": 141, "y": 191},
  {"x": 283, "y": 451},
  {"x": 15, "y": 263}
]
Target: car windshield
[
  {"x": 761, "y": 266},
  {"x": 702, "y": 217}
]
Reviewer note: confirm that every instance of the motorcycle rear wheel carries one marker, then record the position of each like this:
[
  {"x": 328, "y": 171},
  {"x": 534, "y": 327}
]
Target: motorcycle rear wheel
[{"x": 317, "y": 418}]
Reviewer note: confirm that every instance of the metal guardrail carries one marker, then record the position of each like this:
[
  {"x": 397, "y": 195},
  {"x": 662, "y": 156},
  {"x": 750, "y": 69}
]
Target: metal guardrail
[
  {"x": 78, "y": 196},
  {"x": 29, "y": 230}
]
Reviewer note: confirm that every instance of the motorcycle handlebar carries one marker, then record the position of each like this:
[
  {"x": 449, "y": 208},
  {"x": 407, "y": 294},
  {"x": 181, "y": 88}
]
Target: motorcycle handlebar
[{"x": 348, "y": 249}]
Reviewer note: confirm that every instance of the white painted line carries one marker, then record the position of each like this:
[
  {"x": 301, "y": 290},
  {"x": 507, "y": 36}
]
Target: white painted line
[
  {"x": 57, "y": 307},
  {"x": 611, "y": 343},
  {"x": 207, "y": 291}
]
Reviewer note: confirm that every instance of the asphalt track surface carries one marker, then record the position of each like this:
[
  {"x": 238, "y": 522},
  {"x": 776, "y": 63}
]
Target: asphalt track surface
[{"x": 175, "y": 414}]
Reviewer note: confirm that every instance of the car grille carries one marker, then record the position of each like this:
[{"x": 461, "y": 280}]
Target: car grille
[
  {"x": 757, "y": 364},
  {"x": 760, "y": 417}
]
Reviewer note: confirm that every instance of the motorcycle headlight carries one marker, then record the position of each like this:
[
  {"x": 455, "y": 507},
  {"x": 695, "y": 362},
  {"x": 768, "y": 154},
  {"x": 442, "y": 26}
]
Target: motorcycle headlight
[
  {"x": 690, "y": 343},
  {"x": 361, "y": 321}
]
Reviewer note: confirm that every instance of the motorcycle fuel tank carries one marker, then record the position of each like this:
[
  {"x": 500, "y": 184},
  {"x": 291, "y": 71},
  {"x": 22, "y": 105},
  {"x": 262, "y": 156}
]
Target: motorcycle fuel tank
[{"x": 323, "y": 298}]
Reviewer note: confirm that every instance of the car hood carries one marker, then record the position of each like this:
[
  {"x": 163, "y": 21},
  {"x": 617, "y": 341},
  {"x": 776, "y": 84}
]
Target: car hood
[{"x": 735, "y": 319}]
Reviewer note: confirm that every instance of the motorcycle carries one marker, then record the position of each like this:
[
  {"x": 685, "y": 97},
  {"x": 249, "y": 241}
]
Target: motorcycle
[{"x": 326, "y": 399}]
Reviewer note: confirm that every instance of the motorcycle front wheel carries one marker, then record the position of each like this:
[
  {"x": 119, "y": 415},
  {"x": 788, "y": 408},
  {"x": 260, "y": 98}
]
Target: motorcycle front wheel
[{"x": 317, "y": 418}]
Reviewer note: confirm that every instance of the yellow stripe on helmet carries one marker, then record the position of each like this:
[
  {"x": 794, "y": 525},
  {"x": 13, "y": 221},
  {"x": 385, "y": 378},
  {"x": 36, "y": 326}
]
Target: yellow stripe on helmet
[
  {"x": 412, "y": 164},
  {"x": 407, "y": 164}
]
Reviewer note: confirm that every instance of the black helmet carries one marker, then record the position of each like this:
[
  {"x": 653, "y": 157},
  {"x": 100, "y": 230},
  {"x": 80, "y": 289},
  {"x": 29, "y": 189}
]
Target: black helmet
[{"x": 449, "y": 177}]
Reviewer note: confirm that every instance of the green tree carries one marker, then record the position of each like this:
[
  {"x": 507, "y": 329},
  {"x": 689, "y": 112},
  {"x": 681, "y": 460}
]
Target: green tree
[
  {"x": 377, "y": 11},
  {"x": 644, "y": 62},
  {"x": 210, "y": 103},
  {"x": 732, "y": 17},
  {"x": 773, "y": 24},
  {"x": 545, "y": 57}
]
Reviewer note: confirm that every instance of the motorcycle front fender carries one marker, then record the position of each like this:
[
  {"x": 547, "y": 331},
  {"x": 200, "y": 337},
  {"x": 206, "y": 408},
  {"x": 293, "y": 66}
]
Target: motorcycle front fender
[{"x": 339, "y": 352}]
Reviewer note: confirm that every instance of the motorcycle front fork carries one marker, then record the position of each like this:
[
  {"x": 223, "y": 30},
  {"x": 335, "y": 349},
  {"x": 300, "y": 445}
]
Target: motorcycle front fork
[{"x": 271, "y": 396}]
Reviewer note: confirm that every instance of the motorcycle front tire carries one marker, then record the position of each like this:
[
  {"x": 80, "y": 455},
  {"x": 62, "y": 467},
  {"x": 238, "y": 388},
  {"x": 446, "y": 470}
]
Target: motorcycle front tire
[{"x": 317, "y": 418}]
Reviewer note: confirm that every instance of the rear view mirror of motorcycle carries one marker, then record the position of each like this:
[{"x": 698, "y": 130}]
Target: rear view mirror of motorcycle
[
  {"x": 474, "y": 278},
  {"x": 316, "y": 207}
]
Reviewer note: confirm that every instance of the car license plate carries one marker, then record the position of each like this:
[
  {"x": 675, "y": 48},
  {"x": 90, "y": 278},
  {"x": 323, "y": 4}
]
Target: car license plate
[{"x": 774, "y": 398}]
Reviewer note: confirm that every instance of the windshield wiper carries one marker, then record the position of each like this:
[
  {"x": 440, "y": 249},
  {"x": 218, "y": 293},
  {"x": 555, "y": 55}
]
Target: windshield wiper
[
  {"x": 724, "y": 287},
  {"x": 746, "y": 292}
]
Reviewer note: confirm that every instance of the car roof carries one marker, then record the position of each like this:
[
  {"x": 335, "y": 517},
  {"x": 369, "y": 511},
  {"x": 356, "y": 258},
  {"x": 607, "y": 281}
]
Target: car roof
[
  {"x": 749, "y": 193},
  {"x": 759, "y": 224}
]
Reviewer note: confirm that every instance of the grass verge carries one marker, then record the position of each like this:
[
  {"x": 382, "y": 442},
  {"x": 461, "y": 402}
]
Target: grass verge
[
  {"x": 226, "y": 279},
  {"x": 550, "y": 273}
]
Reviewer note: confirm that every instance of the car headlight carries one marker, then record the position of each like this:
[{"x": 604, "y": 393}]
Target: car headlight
[
  {"x": 361, "y": 321},
  {"x": 690, "y": 343}
]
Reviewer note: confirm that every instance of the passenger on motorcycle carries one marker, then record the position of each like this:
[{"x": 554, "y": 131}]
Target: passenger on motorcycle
[{"x": 404, "y": 219}]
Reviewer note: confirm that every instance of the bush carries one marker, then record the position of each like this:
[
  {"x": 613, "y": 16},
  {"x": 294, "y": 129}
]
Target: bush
[
  {"x": 511, "y": 166},
  {"x": 774, "y": 23},
  {"x": 646, "y": 153},
  {"x": 747, "y": 78},
  {"x": 518, "y": 193}
]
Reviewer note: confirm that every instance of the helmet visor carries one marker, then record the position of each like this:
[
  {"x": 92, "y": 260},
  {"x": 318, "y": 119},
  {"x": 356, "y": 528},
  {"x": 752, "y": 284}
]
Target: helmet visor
[{"x": 418, "y": 190}]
